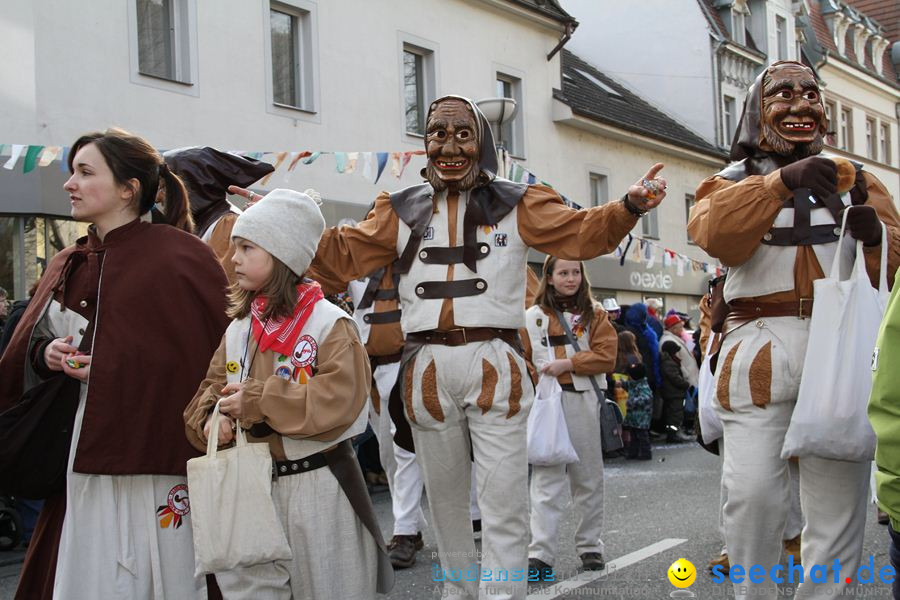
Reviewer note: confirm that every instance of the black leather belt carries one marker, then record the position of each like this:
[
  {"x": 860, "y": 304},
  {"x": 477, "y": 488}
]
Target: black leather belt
[
  {"x": 283, "y": 468},
  {"x": 382, "y": 318}
]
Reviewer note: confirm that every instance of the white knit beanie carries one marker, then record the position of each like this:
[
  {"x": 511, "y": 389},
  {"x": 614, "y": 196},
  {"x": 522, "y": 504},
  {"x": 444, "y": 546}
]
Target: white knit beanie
[{"x": 286, "y": 224}]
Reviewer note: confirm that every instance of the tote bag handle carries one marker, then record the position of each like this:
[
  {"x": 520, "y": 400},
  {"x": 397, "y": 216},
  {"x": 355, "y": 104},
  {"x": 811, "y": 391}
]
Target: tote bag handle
[{"x": 212, "y": 445}]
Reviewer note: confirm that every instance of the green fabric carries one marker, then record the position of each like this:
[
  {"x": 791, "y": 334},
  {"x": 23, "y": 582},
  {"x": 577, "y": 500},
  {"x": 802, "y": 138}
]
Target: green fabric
[
  {"x": 31, "y": 158},
  {"x": 884, "y": 408}
]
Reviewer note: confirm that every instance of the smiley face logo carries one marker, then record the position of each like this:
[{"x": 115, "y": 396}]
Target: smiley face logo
[
  {"x": 682, "y": 573},
  {"x": 232, "y": 367}
]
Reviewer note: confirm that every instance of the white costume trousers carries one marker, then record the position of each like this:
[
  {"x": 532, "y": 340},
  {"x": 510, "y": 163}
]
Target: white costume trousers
[
  {"x": 335, "y": 556},
  {"x": 757, "y": 380},
  {"x": 482, "y": 390},
  {"x": 794, "y": 524},
  {"x": 584, "y": 479},
  {"x": 125, "y": 537}
]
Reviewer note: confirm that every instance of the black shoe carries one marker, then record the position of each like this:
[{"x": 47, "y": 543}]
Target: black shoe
[
  {"x": 402, "y": 550},
  {"x": 538, "y": 570},
  {"x": 676, "y": 437},
  {"x": 476, "y": 529},
  {"x": 592, "y": 561}
]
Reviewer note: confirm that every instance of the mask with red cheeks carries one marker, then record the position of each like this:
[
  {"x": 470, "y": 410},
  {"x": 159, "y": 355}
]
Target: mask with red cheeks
[
  {"x": 793, "y": 115},
  {"x": 452, "y": 145}
]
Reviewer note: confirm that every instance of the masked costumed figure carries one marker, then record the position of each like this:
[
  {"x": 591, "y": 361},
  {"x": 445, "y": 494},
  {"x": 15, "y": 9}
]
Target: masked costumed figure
[
  {"x": 460, "y": 243},
  {"x": 207, "y": 173},
  {"x": 774, "y": 219}
]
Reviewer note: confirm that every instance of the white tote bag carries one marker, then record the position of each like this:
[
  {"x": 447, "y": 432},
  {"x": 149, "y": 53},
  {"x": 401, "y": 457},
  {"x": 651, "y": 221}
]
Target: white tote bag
[
  {"x": 232, "y": 512},
  {"x": 548, "y": 434},
  {"x": 710, "y": 424},
  {"x": 829, "y": 419}
]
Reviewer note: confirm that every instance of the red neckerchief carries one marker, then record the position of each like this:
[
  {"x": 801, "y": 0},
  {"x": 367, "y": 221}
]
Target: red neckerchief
[{"x": 280, "y": 335}]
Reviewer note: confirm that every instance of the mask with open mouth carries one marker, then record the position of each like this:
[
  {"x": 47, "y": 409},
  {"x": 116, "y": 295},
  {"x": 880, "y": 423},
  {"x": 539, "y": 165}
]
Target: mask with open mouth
[
  {"x": 783, "y": 115},
  {"x": 459, "y": 145}
]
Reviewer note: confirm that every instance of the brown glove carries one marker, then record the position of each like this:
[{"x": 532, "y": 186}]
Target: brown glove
[
  {"x": 817, "y": 174},
  {"x": 863, "y": 224}
]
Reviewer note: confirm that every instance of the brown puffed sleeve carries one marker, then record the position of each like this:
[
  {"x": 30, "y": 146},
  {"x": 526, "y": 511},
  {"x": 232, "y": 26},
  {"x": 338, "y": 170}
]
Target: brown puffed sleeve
[
  {"x": 532, "y": 283},
  {"x": 880, "y": 200},
  {"x": 604, "y": 346},
  {"x": 329, "y": 403},
  {"x": 221, "y": 244},
  {"x": 729, "y": 219},
  {"x": 348, "y": 253},
  {"x": 197, "y": 411},
  {"x": 548, "y": 225}
]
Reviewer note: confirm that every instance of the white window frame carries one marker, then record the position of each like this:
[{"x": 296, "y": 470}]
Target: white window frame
[
  {"x": 729, "y": 125},
  {"x": 781, "y": 37},
  {"x": 833, "y": 125},
  {"x": 516, "y": 78},
  {"x": 429, "y": 51},
  {"x": 598, "y": 187},
  {"x": 739, "y": 25},
  {"x": 884, "y": 132},
  {"x": 307, "y": 75},
  {"x": 871, "y": 138},
  {"x": 650, "y": 225},
  {"x": 846, "y": 129},
  {"x": 184, "y": 50}
]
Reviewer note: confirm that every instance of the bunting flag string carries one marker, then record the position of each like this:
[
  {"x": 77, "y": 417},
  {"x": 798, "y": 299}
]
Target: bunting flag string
[{"x": 371, "y": 166}]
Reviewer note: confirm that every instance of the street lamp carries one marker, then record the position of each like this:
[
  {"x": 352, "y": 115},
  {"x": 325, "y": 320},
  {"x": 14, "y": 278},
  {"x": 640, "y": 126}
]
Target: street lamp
[{"x": 498, "y": 111}]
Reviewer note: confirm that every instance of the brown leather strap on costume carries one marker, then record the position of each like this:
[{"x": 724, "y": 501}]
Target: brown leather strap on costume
[
  {"x": 462, "y": 336},
  {"x": 429, "y": 290},
  {"x": 381, "y": 318},
  {"x": 742, "y": 310},
  {"x": 555, "y": 340},
  {"x": 377, "y": 361},
  {"x": 435, "y": 255}
]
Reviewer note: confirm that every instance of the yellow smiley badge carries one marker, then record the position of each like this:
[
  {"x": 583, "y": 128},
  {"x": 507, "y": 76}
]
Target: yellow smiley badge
[
  {"x": 682, "y": 573},
  {"x": 232, "y": 366}
]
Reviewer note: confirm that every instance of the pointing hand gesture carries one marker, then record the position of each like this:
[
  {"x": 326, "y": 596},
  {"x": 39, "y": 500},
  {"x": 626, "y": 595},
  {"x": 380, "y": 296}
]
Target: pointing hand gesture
[{"x": 649, "y": 191}]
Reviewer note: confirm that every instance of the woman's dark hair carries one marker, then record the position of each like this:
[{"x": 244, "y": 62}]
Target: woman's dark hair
[
  {"x": 546, "y": 295},
  {"x": 132, "y": 157},
  {"x": 670, "y": 348}
]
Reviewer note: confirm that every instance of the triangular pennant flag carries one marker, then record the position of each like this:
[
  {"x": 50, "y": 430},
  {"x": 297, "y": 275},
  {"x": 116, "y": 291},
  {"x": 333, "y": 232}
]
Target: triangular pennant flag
[
  {"x": 531, "y": 178},
  {"x": 340, "y": 161},
  {"x": 17, "y": 150},
  {"x": 407, "y": 156},
  {"x": 352, "y": 157},
  {"x": 395, "y": 164},
  {"x": 667, "y": 258},
  {"x": 679, "y": 266},
  {"x": 382, "y": 161},
  {"x": 279, "y": 158},
  {"x": 311, "y": 158},
  {"x": 651, "y": 259},
  {"x": 64, "y": 160},
  {"x": 256, "y": 155},
  {"x": 47, "y": 156},
  {"x": 31, "y": 158},
  {"x": 297, "y": 157},
  {"x": 366, "y": 164}
]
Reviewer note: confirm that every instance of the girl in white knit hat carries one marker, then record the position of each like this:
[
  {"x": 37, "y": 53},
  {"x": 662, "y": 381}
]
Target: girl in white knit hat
[{"x": 303, "y": 380}]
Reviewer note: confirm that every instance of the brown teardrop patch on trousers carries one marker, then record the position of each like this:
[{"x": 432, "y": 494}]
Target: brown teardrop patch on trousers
[
  {"x": 761, "y": 377},
  {"x": 488, "y": 386},
  {"x": 376, "y": 399},
  {"x": 430, "y": 393},
  {"x": 515, "y": 387},
  {"x": 722, "y": 392},
  {"x": 408, "y": 373}
]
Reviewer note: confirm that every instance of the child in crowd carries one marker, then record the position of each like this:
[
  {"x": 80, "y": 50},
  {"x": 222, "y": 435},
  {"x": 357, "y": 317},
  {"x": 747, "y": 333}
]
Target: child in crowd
[
  {"x": 631, "y": 375},
  {"x": 304, "y": 380},
  {"x": 674, "y": 387},
  {"x": 565, "y": 293}
]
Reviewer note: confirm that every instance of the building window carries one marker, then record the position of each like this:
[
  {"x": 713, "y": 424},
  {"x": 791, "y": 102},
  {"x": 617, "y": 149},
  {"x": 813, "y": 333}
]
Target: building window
[
  {"x": 886, "y": 143},
  {"x": 830, "y": 111},
  {"x": 846, "y": 138},
  {"x": 650, "y": 225},
  {"x": 689, "y": 202},
  {"x": 599, "y": 190},
  {"x": 290, "y": 36},
  {"x": 418, "y": 86},
  {"x": 728, "y": 117},
  {"x": 871, "y": 139},
  {"x": 738, "y": 26},
  {"x": 781, "y": 37},
  {"x": 512, "y": 132},
  {"x": 163, "y": 40}
]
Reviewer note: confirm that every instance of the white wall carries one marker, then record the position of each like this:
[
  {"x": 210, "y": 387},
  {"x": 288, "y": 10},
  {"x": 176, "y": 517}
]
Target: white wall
[{"x": 660, "y": 48}]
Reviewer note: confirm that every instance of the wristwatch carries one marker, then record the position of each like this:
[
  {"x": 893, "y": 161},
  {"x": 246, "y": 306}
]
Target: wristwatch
[{"x": 630, "y": 207}]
